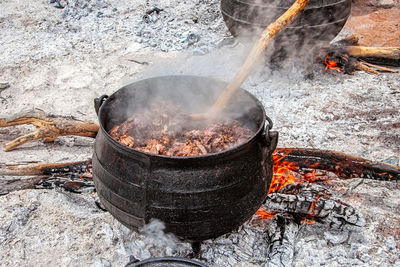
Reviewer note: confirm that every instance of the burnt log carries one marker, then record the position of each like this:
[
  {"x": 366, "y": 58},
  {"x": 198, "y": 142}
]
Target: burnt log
[
  {"x": 282, "y": 242},
  {"x": 10, "y": 185},
  {"x": 46, "y": 176},
  {"x": 73, "y": 169},
  {"x": 313, "y": 207},
  {"x": 343, "y": 165},
  {"x": 349, "y": 58}
]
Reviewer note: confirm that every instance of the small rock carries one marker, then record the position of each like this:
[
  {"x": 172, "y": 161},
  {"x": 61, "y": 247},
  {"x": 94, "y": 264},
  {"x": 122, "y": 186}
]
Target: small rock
[
  {"x": 4, "y": 86},
  {"x": 336, "y": 237},
  {"x": 386, "y": 3},
  {"x": 390, "y": 243},
  {"x": 164, "y": 47}
]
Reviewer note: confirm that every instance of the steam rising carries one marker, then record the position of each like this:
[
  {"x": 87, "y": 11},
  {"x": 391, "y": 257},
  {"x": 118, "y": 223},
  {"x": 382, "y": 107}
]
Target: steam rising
[
  {"x": 153, "y": 241},
  {"x": 291, "y": 53},
  {"x": 154, "y": 230}
]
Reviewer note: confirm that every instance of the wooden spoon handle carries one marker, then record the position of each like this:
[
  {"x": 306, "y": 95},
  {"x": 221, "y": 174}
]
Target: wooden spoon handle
[{"x": 268, "y": 34}]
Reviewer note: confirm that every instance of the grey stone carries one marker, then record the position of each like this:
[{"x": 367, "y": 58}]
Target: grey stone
[
  {"x": 164, "y": 47},
  {"x": 386, "y": 3},
  {"x": 336, "y": 237},
  {"x": 390, "y": 243}
]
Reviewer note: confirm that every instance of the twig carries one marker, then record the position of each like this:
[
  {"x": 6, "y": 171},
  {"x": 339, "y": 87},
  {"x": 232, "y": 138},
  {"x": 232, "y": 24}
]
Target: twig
[
  {"x": 361, "y": 66},
  {"x": 380, "y": 68},
  {"x": 23, "y": 169},
  {"x": 139, "y": 62},
  {"x": 48, "y": 127}
]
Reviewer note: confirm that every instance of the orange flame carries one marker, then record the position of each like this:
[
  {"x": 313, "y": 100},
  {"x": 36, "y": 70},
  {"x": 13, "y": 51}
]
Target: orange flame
[
  {"x": 309, "y": 219},
  {"x": 264, "y": 214},
  {"x": 283, "y": 173},
  {"x": 332, "y": 64},
  {"x": 286, "y": 173}
]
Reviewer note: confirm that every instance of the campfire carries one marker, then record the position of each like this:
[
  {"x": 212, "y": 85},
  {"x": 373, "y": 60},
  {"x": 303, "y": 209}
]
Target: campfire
[{"x": 303, "y": 191}]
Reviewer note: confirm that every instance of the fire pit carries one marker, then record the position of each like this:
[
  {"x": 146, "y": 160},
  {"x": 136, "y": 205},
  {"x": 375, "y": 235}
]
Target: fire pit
[{"x": 197, "y": 197}]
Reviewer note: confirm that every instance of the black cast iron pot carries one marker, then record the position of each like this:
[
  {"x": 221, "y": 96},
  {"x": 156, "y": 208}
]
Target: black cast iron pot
[
  {"x": 197, "y": 197},
  {"x": 321, "y": 20},
  {"x": 314, "y": 28}
]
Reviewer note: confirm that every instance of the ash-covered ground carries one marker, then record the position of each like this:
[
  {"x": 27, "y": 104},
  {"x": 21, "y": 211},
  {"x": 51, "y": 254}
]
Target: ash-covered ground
[{"x": 60, "y": 59}]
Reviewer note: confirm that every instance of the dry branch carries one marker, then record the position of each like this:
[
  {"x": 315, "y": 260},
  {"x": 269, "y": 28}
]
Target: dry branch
[
  {"x": 48, "y": 127},
  {"x": 390, "y": 53}
]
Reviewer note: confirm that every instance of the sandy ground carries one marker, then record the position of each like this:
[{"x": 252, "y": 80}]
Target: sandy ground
[{"x": 59, "y": 62}]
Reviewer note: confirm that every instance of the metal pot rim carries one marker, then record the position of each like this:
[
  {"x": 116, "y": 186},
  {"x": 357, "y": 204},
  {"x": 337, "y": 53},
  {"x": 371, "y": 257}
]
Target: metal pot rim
[
  {"x": 262, "y": 129},
  {"x": 170, "y": 260}
]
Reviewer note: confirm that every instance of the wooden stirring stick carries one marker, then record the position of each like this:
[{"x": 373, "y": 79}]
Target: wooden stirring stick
[{"x": 268, "y": 34}]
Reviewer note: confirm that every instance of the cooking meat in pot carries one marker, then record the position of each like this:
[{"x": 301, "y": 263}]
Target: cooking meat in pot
[{"x": 164, "y": 130}]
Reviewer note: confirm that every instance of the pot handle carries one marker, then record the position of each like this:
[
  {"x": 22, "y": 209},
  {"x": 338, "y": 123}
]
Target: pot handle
[
  {"x": 98, "y": 102},
  {"x": 270, "y": 137}
]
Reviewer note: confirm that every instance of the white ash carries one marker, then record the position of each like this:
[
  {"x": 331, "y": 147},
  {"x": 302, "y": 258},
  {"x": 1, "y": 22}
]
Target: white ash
[
  {"x": 93, "y": 25},
  {"x": 59, "y": 60}
]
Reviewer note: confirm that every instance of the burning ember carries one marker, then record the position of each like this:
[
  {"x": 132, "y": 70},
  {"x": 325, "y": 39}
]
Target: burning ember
[
  {"x": 338, "y": 63},
  {"x": 301, "y": 170},
  {"x": 287, "y": 172}
]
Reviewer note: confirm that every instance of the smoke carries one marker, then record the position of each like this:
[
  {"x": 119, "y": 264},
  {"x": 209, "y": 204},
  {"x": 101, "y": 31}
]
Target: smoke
[
  {"x": 154, "y": 230},
  {"x": 152, "y": 241},
  {"x": 291, "y": 53},
  {"x": 164, "y": 84},
  {"x": 297, "y": 45}
]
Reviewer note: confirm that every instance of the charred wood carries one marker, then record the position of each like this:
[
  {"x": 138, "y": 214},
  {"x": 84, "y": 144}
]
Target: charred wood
[
  {"x": 343, "y": 165},
  {"x": 349, "y": 58},
  {"x": 71, "y": 169},
  {"x": 335, "y": 214},
  {"x": 282, "y": 242},
  {"x": 10, "y": 185},
  {"x": 46, "y": 176}
]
